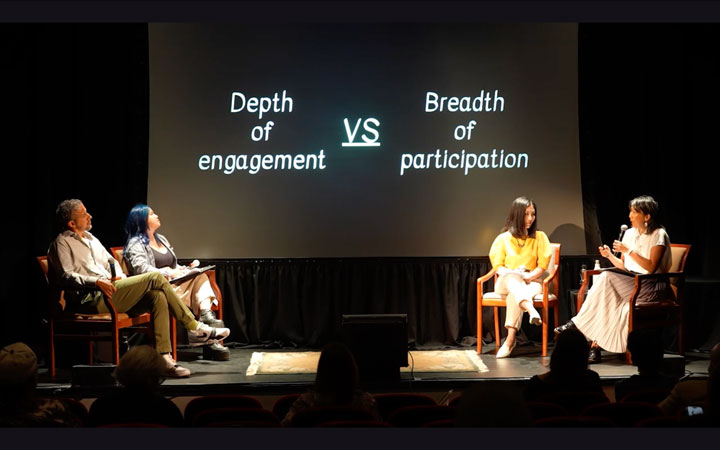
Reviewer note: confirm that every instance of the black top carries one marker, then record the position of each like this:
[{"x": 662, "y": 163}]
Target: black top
[{"x": 163, "y": 259}]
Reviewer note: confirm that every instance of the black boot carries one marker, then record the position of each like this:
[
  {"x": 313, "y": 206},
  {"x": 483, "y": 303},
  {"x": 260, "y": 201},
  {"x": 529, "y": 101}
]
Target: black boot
[
  {"x": 595, "y": 356},
  {"x": 216, "y": 352},
  {"x": 570, "y": 325},
  {"x": 208, "y": 318}
]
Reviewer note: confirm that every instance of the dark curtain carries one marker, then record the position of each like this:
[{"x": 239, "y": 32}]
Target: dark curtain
[
  {"x": 299, "y": 303},
  {"x": 77, "y": 97}
]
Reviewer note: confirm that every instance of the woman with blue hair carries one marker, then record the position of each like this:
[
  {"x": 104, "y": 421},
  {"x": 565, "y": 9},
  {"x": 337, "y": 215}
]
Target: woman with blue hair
[{"x": 149, "y": 251}]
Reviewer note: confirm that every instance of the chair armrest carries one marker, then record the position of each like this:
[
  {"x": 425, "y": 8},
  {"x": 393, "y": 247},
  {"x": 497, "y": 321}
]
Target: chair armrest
[
  {"x": 110, "y": 307},
  {"x": 86, "y": 289},
  {"x": 655, "y": 276},
  {"x": 487, "y": 276},
  {"x": 650, "y": 276},
  {"x": 585, "y": 286},
  {"x": 550, "y": 276},
  {"x": 482, "y": 280}
]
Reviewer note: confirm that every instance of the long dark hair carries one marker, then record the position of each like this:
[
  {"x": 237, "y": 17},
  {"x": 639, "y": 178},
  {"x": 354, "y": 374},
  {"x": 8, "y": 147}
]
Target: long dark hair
[
  {"x": 647, "y": 205},
  {"x": 515, "y": 222},
  {"x": 136, "y": 223}
]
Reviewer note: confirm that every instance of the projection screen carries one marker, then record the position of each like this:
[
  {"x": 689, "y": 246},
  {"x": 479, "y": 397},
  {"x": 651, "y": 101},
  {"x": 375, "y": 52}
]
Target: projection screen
[{"x": 361, "y": 140}]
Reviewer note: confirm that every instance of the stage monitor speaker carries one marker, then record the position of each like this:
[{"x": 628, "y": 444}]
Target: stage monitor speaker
[
  {"x": 379, "y": 343},
  {"x": 93, "y": 375}
]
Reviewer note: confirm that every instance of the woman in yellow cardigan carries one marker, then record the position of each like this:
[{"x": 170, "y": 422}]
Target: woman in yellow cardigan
[{"x": 520, "y": 254}]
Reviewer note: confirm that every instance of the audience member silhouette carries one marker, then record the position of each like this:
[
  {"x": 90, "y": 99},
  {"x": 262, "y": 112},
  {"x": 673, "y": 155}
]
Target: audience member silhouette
[
  {"x": 19, "y": 404},
  {"x": 568, "y": 369},
  {"x": 647, "y": 352},
  {"x": 713, "y": 386},
  {"x": 336, "y": 384},
  {"x": 692, "y": 392},
  {"x": 492, "y": 405},
  {"x": 140, "y": 372}
]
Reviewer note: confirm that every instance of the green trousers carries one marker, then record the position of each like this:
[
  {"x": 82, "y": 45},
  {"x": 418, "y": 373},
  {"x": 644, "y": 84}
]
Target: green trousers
[{"x": 151, "y": 292}]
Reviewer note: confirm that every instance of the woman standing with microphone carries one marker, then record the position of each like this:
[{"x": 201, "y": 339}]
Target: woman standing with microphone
[{"x": 645, "y": 248}]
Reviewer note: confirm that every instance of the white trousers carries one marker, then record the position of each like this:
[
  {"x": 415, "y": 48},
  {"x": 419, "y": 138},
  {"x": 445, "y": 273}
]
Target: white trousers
[
  {"x": 194, "y": 291},
  {"x": 516, "y": 291}
]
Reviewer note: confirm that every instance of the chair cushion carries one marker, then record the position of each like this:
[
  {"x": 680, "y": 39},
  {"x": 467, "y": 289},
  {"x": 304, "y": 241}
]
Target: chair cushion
[
  {"x": 493, "y": 296},
  {"x": 677, "y": 254},
  {"x": 104, "y": 316}
]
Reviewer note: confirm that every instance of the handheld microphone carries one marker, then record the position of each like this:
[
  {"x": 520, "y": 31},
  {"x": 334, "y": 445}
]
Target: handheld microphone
[
  {"x": 112, "y": 266},
  {"x": 623, "y": 228}
]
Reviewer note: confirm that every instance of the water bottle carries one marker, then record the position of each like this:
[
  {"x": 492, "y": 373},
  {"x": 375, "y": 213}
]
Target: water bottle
[
  {"x": 597, "y": 267},
  {"x": 583, "y": 268}
]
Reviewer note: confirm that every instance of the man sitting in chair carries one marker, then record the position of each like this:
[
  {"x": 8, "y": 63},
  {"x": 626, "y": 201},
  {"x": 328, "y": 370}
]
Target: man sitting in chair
[{"x": 77, "y": 261}]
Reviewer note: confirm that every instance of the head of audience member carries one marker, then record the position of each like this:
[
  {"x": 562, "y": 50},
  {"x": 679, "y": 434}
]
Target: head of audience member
[
  {"x": 516, "y": 222},
  {"x": 570, "y": 356},
  {"x": 137, "y": 222},
  {"x": 18, "y": 377},
  {"x": 491, "y": 404},
  {"x": 142, "y": 368},
  {"x": 646, "y": 349},
  {"x": 714, "y": 385},
  {"x": 337, "y": 377}
]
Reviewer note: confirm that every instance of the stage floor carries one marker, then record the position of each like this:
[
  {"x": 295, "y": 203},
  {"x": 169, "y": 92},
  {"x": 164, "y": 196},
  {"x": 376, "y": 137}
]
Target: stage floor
[{"x": 210, "y": 377}]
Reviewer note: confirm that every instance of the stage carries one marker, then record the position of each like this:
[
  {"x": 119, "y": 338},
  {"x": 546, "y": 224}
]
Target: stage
[{"x": 215, "y": 377}]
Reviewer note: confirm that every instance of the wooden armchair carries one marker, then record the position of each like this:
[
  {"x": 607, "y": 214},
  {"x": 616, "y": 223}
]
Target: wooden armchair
[
  {"x": 666, "y": 312},
  {"x": 544, "y": 301},
  {"x": 117, "y": 253},
  {"x": 70, "y": 326}
]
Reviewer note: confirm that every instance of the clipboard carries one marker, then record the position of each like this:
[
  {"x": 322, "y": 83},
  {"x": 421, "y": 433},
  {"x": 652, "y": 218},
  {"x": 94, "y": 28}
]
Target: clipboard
[
  {"x": 627, "y": 273},
  {"x": 191, "y": 274}
]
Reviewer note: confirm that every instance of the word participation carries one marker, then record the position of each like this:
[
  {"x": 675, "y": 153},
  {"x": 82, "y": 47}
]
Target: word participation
[{"x": 463, "y": 160}]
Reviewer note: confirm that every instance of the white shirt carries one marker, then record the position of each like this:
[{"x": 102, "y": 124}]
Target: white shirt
[{"x": 642, "y": 244}]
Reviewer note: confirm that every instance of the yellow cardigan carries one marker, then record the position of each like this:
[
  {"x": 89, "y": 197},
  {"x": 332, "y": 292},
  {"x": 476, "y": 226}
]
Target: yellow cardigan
[{"x": 506, "y": 251}]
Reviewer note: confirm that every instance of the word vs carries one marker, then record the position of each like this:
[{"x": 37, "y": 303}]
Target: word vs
[{"x": 370, "y": 125}]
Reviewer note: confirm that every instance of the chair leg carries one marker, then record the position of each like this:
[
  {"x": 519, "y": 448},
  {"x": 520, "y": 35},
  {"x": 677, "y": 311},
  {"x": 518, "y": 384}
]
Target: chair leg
[
  {"x": 173, "y": 337},
  {"x": 52, "y": 349},
  {"x": 545, "y": 317},
  {"x": 91, "y": 358},
  {"x": 116, "y": 346},
  {"x": 680, "y": 339},
  {"x": 496, "y": 313},
  {"x": 479, "y": 328}
]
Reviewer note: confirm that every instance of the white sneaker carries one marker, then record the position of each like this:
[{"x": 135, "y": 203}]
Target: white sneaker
[
  {"x": 505, "y": 351},
  {"x": 204, "y": 333},
  {"x": 535, "y": 317}
]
